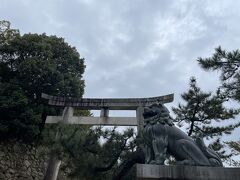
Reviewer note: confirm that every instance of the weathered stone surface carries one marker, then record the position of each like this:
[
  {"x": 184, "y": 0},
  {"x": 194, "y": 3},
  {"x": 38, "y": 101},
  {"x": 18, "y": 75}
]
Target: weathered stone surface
[
  {"x": 161, "y": 172},
  {"x": 19, "y": 161}
]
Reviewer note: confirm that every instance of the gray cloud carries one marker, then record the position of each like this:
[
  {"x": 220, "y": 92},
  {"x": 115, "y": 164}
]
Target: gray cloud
[
  {"x": 128, "y": 44},
  {"x": 135, "y": 48}
]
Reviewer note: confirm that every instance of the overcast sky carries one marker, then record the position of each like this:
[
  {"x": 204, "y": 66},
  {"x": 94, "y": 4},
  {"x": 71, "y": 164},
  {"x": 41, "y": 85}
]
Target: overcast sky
[{"x": 135, "y": 48}]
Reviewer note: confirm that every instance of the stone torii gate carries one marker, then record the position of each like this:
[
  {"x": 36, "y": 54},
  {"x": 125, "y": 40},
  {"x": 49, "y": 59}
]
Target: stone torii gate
[{"x": 104, "y": 105}]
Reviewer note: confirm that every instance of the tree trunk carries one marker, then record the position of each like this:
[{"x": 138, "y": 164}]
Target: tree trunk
[
  {"x": 54, "y": 163},
  {"x": 53, "y": 168}
]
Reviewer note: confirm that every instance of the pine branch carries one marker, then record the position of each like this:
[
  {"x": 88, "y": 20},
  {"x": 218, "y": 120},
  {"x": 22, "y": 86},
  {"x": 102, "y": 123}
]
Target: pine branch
[{"x": 113, "y": 161}]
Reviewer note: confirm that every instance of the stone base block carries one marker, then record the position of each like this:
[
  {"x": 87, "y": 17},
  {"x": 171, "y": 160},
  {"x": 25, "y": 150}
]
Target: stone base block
[{"x": 154, "y": 172}]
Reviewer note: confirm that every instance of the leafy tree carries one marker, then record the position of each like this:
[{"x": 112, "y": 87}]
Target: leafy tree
[
  {"x": 6, "y": 33},
  {"x": 32, "y": 64}
]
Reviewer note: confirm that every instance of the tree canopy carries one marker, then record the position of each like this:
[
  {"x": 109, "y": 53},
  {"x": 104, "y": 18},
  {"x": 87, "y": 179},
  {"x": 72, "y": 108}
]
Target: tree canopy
[{"x": 32, "y": 64}]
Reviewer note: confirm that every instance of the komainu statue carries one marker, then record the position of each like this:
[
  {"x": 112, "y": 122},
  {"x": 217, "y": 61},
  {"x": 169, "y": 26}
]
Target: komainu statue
[{"x": 162, "y": 138}]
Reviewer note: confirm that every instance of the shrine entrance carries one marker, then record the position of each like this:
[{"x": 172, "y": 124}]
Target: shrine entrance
[{"x": 104, "y": 105}]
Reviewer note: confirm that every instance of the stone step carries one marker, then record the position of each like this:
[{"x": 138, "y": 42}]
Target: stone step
[{"x": 162, "y": 172}]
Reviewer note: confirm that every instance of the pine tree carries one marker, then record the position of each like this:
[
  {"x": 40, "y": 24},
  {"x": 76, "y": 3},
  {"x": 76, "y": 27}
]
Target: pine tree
[
  {"x": 228, "y": 63},
  {"x": 94, "y": 153},
  {"x": 204, "y": 113},
  {"x": 234, "y": 147}
]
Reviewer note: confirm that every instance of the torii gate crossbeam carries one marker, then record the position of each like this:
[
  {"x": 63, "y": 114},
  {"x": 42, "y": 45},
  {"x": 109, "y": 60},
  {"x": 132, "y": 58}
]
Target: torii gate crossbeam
[{"x": 104, "y": 105}]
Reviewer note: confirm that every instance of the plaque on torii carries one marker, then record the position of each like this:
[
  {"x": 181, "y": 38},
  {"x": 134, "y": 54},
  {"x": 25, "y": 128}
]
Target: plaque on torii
[{"x": 104, "y": 104}]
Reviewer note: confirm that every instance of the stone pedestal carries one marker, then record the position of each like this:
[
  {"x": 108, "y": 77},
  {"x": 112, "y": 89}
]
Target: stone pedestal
[{"x": 154, "y": 172}]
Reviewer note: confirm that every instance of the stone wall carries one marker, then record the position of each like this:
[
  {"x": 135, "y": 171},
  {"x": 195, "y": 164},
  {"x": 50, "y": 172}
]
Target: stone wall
[{"x": 19, "y": 161}]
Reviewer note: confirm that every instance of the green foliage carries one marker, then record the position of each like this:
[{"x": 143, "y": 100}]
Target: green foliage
[
  {"x": 89, "y": 153},
  {"x": 228, "y": 64},
  {"x": 6, "y": 33},
  {"x": 201, "y": 110},
  {"x": 235, "y": 151},
  {"x": 32, "y": 64},
  {"x": 17, "y": 117},
  {"x": 235, "y": 146},
  {"x": 204, "y": 114}
]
